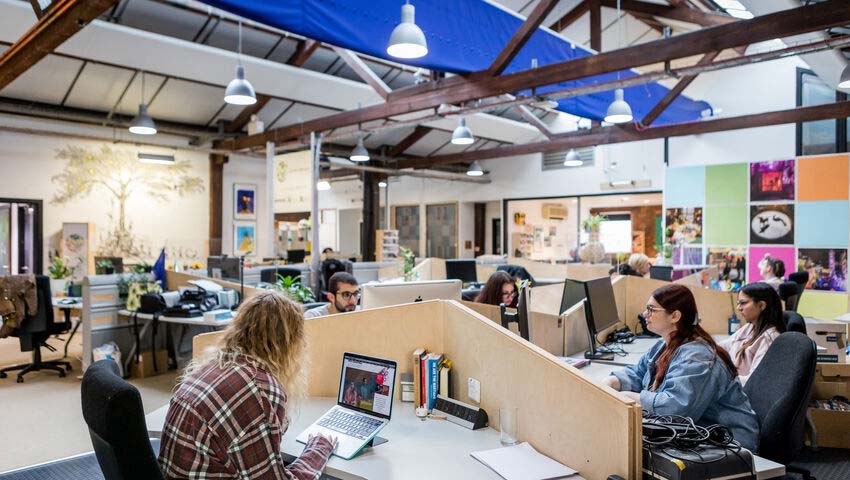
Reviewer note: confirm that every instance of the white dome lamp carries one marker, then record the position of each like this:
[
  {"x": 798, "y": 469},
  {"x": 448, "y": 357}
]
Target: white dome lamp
[
  {"x": 572, "y": 159},
  {"x": 407, "y": 39},
  {"x": 619, "y": 111},
  {"x": 359, "y": 154},
  {"x": 143, "y": 124},
  {"x": 462, "y": 135},
  {"x": 240, "y": 91},
  {"x": 323, "y": 185},
  {"x": 474, "y": 169},
  {"x": 844, "y": 83}
]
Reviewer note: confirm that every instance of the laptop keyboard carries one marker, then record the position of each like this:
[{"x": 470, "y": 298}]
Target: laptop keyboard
[{"x": 354, "y": 425}]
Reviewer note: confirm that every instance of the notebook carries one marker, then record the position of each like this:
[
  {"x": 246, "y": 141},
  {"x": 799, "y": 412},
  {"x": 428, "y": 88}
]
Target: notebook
[{"x": 522, "y": 462}]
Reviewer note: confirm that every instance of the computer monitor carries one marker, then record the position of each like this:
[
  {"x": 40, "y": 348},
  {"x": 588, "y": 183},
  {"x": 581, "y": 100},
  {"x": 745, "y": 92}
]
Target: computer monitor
[
  {"x": 295, "y": 256},
  {"x": 376, "y": 295},
  {"x": 521, "y": 315},
  {"x": 230, "y": 268},
  {"x": 600, "y": 312},
  {"x": 661, "y": 272},
  {"x": 573, "y": 294},
  {"x": 463, "y": 270}
]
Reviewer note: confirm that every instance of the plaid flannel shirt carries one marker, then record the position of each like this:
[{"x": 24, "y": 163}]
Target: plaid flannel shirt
[{"x": 228, "y": 423}]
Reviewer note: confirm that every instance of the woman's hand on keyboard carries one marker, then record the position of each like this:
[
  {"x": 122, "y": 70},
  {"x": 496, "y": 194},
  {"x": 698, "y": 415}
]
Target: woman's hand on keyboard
[{"x": 334, "y": 441}]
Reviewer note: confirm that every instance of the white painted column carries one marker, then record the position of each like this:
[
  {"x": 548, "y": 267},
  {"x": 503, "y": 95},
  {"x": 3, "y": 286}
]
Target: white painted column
[
  {"x": 315, "y": 264},
  {"x": 270, "y": 176}
]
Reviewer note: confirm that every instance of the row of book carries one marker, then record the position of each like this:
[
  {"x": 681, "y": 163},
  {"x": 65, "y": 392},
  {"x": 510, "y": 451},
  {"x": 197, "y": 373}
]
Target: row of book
[{"x": 431, "y": 377}]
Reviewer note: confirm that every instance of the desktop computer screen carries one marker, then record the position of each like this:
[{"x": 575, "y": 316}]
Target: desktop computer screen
[
  {"x": 295, "y": 256},
  {"x": 661, "y": 272},
  {"x": 602, "y": 305},
  {"x": 573, "y": 294},
  {"x": 521, "y": 315},
  {"x": 376, "y": 295},
  {"x": 463, "y": 270}
]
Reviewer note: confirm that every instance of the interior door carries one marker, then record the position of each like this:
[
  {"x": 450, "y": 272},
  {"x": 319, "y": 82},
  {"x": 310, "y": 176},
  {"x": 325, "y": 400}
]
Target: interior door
[
  {"x": 20, "y": 237},
  {"x": 441, "y": 230}
]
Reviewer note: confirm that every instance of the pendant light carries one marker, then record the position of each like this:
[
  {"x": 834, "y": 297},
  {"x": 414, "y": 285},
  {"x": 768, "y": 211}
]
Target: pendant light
[
  {"x": 143, "y": 124},
  {"x": 240, "y": 91},
  {"x": 359, "y": 154},
  {"x": 844, "y": 83},
  {"x": 619, "y": 111},
  {"x": 382, "y": 184},
  {"x": 462, "y": 134},
  {"x": 407, "y": 39},
  {"x": 474, "y": 169},
  {"x": 572, "y": 159},
  {"x": 323, "y": 185}
]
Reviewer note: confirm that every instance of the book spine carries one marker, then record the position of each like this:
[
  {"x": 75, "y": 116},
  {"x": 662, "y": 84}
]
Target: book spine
[
  {"x": 417, "y": 380},
  {"x": 424, "y": 390},
  {"x": 434, "y": 381}
]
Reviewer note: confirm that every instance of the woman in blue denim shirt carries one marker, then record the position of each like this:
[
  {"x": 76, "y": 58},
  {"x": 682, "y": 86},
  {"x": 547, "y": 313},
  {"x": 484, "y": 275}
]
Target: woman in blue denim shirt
[{"x": 686, "y": 373}]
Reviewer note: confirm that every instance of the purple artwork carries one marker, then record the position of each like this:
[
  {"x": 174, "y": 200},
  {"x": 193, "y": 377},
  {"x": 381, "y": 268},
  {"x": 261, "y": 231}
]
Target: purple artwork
[
  {"x": 772, "y": 181},
  {"x": 827, "y": 268}
]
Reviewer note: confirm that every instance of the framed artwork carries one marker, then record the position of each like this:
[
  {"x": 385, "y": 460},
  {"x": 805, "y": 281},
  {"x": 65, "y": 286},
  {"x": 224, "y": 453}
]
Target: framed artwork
[
  {"x": 244, "y": 238},
  {"x": 772, "y": 181},
  {"x": 827, "y": 268},
  {"x": 244, "y": 201},
  {"x": 772, "y": 224},
  {"x": 684, "y": 225}
]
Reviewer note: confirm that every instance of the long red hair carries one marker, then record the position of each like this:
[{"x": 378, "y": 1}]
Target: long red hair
[{"x": 673, "y": 297}]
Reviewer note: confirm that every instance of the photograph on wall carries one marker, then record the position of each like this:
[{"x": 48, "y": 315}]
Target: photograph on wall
[
  {"x": 684, "y": 255},
  {"x": 758, "y": 268},
  {"x": 731, "y": 262},
  {"x": 244, "y": 237},
  {"x": 684, "y": 225},
  {"x": 827, "y": 268},
  {"x": 245, "y": 201},
  {"x": 771, "y": 181},
  {"x": 772, "y": 224},
  {"x": 519, "y": 218}
]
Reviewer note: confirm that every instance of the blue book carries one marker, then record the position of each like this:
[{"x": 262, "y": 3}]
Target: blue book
[{"x": 433, "y": 378}]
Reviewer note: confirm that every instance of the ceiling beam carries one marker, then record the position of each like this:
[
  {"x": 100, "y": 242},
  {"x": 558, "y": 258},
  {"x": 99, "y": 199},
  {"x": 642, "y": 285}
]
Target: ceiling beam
[
  {"x": 59, "y": 23},
  {"x": 458, "y": 89},
  {"x": 303, "y": 52},
  {"x": 363, "y": 71},
  {"x": 570, "y": 17},
  {"x": 616, "y": 134},
  {"x": 531, "y": 118},
  {"x": 682, "y": 13},
  {"x": 521, "y": 36},
  {"x": 36, "y": 7},
  {"x": 595, "y": 8},
  {"x": 418, "y": 133},
  {"x": 674, "y": 92}
]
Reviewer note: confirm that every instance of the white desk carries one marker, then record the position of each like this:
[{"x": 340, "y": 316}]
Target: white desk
[
  {"x": 67, "y": 304},
  {"x": 412, "y": 442}
]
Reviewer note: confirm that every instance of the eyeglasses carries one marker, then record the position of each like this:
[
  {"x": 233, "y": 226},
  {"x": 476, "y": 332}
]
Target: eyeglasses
[
  {"x": 349, "y": 295},
  {"x": 741, "y": 303},
  {"x": 650, "y": 310}
]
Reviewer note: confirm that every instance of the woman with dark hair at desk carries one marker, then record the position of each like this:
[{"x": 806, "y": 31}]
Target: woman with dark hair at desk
[
  {"x": 686, "y": 373},
  {"x": 760, "y": 309},
  {"x": 500, "y": 288}
]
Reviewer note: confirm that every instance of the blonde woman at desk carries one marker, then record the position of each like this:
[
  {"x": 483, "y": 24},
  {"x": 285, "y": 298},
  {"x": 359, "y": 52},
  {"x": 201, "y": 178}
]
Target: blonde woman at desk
[
  {"x": 686, "y": 373},
  {"x": 228, "y": 414}
]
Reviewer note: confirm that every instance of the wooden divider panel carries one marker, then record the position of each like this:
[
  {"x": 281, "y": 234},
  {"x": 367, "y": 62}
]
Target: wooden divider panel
[
  {"x": 714, "y": 306},
  {"x": 547, "y": 298},
  {"x": 483, "y": 272},
  {"x": 390, "y": 272},
  {"x": 545, "y": 330}
]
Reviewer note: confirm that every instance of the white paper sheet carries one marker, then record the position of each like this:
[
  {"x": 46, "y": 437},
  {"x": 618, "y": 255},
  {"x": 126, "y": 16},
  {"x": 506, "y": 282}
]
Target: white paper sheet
[{"x": 522, "y": 462}]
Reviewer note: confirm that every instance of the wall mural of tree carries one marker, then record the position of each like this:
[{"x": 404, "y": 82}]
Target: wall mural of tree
[{"x": 120, "y": 175}]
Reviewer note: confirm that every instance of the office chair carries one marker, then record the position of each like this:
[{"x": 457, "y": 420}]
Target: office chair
[
  {"x": 34, "y": 331},
  {"x": 113, "y": 412},
  {"x": 794, "y": 322},
  {"x": 779, "y": 391},
  {"x": 516, "y": 271},
  {"x": 801, "y": 278},
  {"x": 790, "y": 292},
  {"x": 331, "y": 266},
  {"x": 269, "y": 275}
]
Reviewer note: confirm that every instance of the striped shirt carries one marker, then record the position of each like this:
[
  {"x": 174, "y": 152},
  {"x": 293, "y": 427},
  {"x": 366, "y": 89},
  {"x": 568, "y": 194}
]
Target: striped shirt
[{"x": 228, "y": 423}]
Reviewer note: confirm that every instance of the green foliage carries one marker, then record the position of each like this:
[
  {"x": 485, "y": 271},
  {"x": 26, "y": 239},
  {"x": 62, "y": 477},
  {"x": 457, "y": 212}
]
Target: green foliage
[
  {"x": 102, "y": 266},
  {"x": 592, "y": 222},
  {"x": 143, "y": 267},
  {"x": 59, "y": 269},
  {"x": 294, "y": 289},
  {"x": 409, "y": 259}
]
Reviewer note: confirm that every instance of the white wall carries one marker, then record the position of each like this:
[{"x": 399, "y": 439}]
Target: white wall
[{"x": 251, "y": 170}]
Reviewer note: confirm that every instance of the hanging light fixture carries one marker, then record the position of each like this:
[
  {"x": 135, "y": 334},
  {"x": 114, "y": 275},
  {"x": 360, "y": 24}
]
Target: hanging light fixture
[
  {"x": 359, "y": 154},
  {"x": 462, "y": 134},
  {"x": 382, "y": 184},
  {"x": 407, "y": 39},
  {"x": 572, "y": 159},
  {"x": 240, "y": 91},
  {"x": 474, "y": 169},
  {"x": 323, "y": 185},
  {"x": 143, "y": 124},
  {"x": 619, "y": 111},
  {"x": 845, "y": 78}
]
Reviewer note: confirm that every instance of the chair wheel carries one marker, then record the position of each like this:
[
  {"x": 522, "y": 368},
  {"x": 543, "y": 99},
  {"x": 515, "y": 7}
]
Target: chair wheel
[
  {"x": 20, "y": 379},
  {"x": 61, "y": 374},
  {"x": 3, "y": 375}
]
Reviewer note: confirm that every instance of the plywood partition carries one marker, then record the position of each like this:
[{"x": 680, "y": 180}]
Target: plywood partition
[
  {"x": 575, "y": 330},
  {"x": 547, "y": 298},
  {"x": 429, "y": 269},
  {"x": 587, "y": 271},
  {"x": 544, "y": 329},
  {"x": 483, "y": 272},
  {"x": 561, "y": 412},
  {"x": 390, "y": 272}
]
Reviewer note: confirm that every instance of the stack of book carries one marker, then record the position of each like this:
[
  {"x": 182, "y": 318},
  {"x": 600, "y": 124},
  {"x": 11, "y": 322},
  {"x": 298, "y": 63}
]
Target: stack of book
[{"x": 431, "y": 377}]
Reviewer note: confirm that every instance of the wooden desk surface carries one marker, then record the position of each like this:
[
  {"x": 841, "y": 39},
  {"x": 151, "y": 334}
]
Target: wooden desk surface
[{"x": 416, "y": 449}]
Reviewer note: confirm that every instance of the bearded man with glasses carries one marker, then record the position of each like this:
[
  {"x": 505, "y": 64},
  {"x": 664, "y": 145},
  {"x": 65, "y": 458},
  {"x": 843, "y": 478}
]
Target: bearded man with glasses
[{"x": 343, "y": 295}]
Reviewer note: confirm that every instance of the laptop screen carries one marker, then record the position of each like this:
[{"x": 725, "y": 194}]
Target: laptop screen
[{"x": 367, "y": 383}]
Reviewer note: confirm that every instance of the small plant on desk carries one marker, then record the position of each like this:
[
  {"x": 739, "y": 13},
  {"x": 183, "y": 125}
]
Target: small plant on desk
[{"x": 294, "y": 289}]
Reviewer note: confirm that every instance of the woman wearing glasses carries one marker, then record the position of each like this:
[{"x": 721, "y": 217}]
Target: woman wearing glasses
[
  {"x": 500, "y": 288},
  {"x": 760, "y": 310},
  {"x": 686, "y": 373}
]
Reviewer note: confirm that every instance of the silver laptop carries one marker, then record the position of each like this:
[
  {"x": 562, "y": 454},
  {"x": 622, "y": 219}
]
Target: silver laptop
[{"x": 364, "y": 404}]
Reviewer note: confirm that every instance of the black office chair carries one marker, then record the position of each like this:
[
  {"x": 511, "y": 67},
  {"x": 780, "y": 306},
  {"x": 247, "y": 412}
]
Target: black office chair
[
  {"x": 312, "y": 305},
  {"x": 779, "y": 391},
  {"x": 789, "y": 292},
  {"x": 113, "y": 411},
  {"x": 331, "y": 266},
  {"x": 516, "y": 271},
  {"x": 801, "y": 278},
  {"x": 794, "y": 322},
  {"x": 34, "y": 331},
  {"x": 269, "y": 275}
]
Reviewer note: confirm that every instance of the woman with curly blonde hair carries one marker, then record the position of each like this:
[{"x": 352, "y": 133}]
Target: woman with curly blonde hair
[{"x": 228, "y": 413}]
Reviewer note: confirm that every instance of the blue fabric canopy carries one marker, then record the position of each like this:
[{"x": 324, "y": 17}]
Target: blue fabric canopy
[{"x": 463, "y": 36}]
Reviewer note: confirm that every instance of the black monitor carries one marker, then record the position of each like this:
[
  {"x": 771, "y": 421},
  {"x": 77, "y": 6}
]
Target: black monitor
[
  {"x": 521, "y": 315},
  {"x": 573, "y": 294},
  {"x": 230, "y": 268},
  {"x": 600, "y": 311},
  {"x": 214, "y": 266},
  {"x": 463, "y": 270},
  {"x": 295, "y": 256},
  {"x": 661, "y": 272}
]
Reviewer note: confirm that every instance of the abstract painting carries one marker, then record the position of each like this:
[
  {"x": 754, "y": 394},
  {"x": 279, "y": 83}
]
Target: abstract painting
[
  {"x": 244, "y": 236},
  {"x": 244, "y": 201},
  {"x": 771, "y": 181},
  {"x": 772, "y": 224}
]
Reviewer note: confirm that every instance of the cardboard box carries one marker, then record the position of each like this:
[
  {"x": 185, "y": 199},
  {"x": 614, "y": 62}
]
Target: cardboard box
[
  {"x": 831, "y": 335},
  {"x": 144, "y": 367},
  {"x": 833, "y": 427}
]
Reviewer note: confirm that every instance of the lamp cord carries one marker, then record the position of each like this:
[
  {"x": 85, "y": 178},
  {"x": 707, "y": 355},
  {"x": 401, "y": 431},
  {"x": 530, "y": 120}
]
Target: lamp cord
[{"x": 619, "y": 33}]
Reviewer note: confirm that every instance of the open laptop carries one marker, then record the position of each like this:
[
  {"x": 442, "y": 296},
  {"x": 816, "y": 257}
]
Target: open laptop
[{"x": 364, "y": 404}]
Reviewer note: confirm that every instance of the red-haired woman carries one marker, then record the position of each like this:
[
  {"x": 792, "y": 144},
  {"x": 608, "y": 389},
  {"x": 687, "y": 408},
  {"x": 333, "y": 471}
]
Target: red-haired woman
[{"x": 686, "y": 373}]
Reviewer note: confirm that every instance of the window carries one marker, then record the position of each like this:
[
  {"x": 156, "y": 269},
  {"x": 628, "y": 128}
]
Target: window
[
  {"x": 822, "y": 136},
  {"x": 615, "y": 233}
]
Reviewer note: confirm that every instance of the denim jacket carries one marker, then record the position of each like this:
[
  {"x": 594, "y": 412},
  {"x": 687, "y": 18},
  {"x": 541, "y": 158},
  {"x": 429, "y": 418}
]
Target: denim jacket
[{"x": 697, "y": 385}]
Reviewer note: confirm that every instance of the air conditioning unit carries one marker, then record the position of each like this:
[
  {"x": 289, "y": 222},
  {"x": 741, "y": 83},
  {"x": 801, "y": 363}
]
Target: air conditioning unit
[{"x": 555, "y": 212}]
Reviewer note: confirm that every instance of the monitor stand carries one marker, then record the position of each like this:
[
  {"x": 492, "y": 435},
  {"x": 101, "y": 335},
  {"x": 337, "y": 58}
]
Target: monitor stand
[
  {"x": 592, "y": 355},
  {"x": 376, "y": 441}
]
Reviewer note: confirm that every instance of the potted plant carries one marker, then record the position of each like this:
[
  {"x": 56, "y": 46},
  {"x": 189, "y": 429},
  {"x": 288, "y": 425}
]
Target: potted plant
[
  {"x": 592, "y": 251},
  {"x": 409, "y": 260},
  {"x": 294, "y": 289},
  {"x": 104, "y": 267},
  {"x": 59, "y": 272}
]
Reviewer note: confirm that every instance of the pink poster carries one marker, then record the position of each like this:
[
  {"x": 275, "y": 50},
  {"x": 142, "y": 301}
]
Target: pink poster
[{"x": 786, "y": 254}]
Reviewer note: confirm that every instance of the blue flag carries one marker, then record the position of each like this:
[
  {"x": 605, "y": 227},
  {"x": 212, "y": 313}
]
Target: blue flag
[{"x": 159, "y": 270}]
